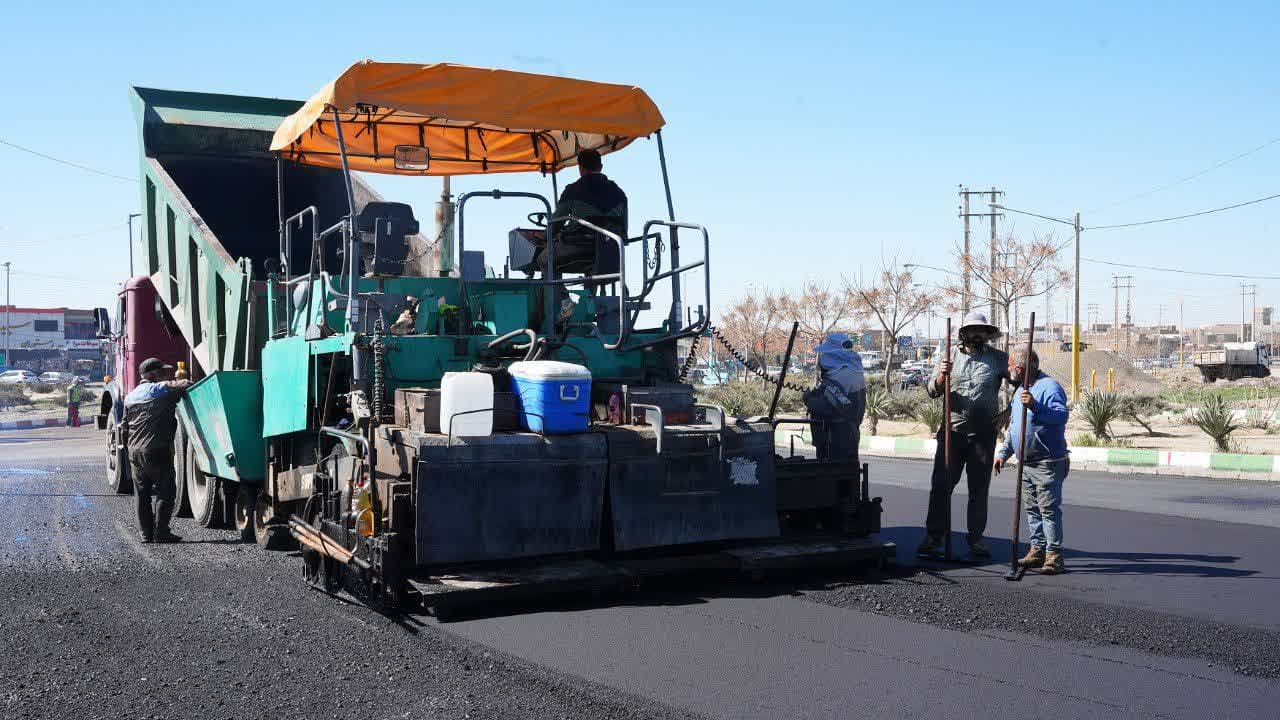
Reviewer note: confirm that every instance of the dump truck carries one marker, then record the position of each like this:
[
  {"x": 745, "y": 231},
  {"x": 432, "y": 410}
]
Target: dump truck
[
  {"x": 1234, "y": 360},
  {"x": 319, "y": 323}
]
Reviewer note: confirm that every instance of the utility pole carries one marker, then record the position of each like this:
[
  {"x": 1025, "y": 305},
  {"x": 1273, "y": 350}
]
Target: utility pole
[
  {"x": 1182, "y": 336},
  {"x": 1253, "y": 316},
  {"x": 1246, "y": 289},
  {"x": 1075, "y": 321},
  {"x": 8, "y": 320},
  {"x": 1128, "y": 309},
  {"x": 994, "y": 200},
  {"x": 131, "y": 217},
  {"x": 967, "y": 299},
  {"x": 1128, "y": 314},
  {"x": 1115, "y": 312}
]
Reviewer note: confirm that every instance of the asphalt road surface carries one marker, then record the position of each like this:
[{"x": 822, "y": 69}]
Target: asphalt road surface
[{"x": 1169, "y": 611}]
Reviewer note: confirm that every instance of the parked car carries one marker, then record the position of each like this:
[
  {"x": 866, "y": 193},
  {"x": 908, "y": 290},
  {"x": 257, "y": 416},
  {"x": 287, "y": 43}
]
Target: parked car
[
  {"x": 14, "y": 377},
  {"x": 910, "y": 377},
  {"x": 57, "y": 377}
]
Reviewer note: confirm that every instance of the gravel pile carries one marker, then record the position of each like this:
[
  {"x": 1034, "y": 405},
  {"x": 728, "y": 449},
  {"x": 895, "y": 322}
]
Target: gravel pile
[{"x": 1128, "y": 379}]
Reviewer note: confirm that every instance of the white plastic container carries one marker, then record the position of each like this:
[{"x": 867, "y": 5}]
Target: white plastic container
[{"x": 461, "y": 395}]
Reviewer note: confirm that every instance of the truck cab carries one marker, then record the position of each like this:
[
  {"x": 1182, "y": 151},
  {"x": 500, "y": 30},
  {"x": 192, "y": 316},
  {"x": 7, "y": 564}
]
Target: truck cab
[{"x": 141, "y": 328}]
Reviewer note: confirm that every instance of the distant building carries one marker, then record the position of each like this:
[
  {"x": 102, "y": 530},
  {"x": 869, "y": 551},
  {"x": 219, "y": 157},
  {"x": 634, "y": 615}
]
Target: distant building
[{"x": 43, "y": 339}]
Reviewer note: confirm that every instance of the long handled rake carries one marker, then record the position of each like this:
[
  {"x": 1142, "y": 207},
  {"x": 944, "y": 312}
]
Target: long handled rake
[{"x": 1017, "y": 569}]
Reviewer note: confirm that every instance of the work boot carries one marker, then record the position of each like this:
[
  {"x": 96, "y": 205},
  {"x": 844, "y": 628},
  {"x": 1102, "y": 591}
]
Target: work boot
[
  {"x": 978, "y": 548},
  {"x": 144, "y": 537},
  {"x": 167, "y": 537},
  {"x": 931, "y": 546},
  {"x": 1034, "y": 557},
  {"x": 1053, "y": 564}
]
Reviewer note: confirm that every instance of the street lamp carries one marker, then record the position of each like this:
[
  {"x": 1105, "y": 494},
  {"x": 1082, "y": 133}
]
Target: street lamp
[
  {"x": 930, "y": 267},
  {"x": 131, "y": 217},
  {"x": 1075, "y": 320}
]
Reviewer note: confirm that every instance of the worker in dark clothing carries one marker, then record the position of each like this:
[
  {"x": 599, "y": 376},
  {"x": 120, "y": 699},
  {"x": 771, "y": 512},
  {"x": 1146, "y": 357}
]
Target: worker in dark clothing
[
  {"x": 977, "y": 371},
  {"x": 839, "y": 401},
  {"x": 593, "y": 197},
  {"x": 151, "y": 422}
]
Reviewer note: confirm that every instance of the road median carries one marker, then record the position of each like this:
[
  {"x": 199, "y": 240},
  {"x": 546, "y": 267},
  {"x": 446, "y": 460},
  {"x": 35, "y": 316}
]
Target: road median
[{"x": 1114, "y": 460}]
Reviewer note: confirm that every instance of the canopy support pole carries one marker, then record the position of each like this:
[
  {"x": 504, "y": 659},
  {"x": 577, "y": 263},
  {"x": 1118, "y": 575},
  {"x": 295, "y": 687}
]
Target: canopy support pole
[
  {"x": 677, "y": 311},
  {"x": 353, "y": 254}
]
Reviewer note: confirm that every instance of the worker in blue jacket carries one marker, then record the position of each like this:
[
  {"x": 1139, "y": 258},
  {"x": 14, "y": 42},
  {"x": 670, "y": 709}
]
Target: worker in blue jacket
[{"x": 1046, "y": 461}]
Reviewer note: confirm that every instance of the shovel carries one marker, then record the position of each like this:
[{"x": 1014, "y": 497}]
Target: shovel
[{"x": 1017, "y": 569}]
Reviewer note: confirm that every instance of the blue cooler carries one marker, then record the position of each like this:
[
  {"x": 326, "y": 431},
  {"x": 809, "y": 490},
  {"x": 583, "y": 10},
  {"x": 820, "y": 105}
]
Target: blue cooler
[{"x": 555, "y": 397}]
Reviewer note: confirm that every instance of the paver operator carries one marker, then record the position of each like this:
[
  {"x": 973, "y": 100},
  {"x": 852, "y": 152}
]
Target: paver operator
[
  {"x": 1046, "y": 463},
  {"x": 977, "y": 369},
  {"x": 151, "y": 422},
  {"x": 593, "y": 196}
]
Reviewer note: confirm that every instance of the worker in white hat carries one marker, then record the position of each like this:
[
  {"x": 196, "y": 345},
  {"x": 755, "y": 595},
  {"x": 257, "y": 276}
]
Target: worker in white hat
[{"x": 977, "y": 370}]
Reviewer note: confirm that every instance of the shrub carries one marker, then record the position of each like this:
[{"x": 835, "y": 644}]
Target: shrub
[
  {"x": 877, "y": 406},
  {"x": 1214, "y": 419},
  {"x": 12, "y": 396},
  {"x": 1085, "y": 440},
  {"x": 1141, "y": 408},
  {"x": 42, "y": 388},
  {"x": 747, "y": 399},
  {"x": 1100, "y": 409},
  {"x": 930, "y": 413},
  {"x": 903, "y": 406}
]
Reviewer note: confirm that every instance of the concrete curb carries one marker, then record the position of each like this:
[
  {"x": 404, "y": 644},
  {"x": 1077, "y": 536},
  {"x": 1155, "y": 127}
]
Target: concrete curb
[
  {"x": 28, "y": 424},
  {"x": 1115, "y": 460}
]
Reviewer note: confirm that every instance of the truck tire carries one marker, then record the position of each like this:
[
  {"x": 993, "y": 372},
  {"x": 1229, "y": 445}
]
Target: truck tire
[
  {"x": 119, "y": 476},
  {"x": 181, "y": 508},
  {"x": 203, "y": 493}
]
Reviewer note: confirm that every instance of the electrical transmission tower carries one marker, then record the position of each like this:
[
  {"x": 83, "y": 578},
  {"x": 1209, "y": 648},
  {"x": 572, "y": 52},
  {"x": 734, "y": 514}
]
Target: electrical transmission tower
[{"x": 967, "y": 289}]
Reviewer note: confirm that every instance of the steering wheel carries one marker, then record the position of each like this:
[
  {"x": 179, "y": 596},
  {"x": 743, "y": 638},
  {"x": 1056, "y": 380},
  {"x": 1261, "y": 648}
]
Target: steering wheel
[{"x": 538, "y": 218}]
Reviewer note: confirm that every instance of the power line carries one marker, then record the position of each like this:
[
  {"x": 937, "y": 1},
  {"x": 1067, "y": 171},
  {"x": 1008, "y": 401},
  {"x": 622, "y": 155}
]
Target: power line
[
  {"x": 1184, "y": 217},
  {"x": 1141, "y": 222},
  {"x": 64, "y": 277},
  {"x": 67, "y": 162},
  {"x": 87, "y": 233},
  {"x": 1193, "y": 176},
  {"x": 1180, "y": 271}
]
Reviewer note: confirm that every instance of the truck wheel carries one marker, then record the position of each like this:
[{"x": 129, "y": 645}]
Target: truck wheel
[
  {"x": 203, "y": 494},
  {"x": 181, "y": 508},
  {"x": 268, "y": 533},
  {"x": 119, "y": 477}
]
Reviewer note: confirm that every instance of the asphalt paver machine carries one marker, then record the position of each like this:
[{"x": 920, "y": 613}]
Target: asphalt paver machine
[{"x": 319, "y": 416}]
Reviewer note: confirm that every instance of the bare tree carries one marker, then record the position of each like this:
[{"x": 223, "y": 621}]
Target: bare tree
[
  {"x": 753, "y": 324},
  {"x": 1023, "y": 269},
  {"x": 895, "y": 300},
  {"x": 820, "y": 310}
]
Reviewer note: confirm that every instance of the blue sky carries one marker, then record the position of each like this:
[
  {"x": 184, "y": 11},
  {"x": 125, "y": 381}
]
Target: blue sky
[{"x": 813, "y": 139}]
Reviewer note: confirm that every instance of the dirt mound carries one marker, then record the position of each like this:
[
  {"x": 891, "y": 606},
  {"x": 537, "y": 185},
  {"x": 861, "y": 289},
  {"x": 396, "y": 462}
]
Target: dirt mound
[{"x": 1128, "y": 379}]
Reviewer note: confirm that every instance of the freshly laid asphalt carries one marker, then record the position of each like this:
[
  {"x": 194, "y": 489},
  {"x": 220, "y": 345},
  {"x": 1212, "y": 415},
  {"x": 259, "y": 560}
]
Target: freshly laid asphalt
[{"x": 1169, "y": 611}]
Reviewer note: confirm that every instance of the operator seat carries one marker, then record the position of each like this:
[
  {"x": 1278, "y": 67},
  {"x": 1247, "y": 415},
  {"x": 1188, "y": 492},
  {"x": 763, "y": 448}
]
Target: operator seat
[{"x": 384, "y": 229}]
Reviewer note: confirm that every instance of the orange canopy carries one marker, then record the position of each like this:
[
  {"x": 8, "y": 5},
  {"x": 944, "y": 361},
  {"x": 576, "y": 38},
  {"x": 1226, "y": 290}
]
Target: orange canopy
[{"x": 473, "y": 120}]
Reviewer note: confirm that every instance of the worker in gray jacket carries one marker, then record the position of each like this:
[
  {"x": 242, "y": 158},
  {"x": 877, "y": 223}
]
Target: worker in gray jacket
[
  {"x": 149, "y": 411},
  {"x": 977, "y": 371}
]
